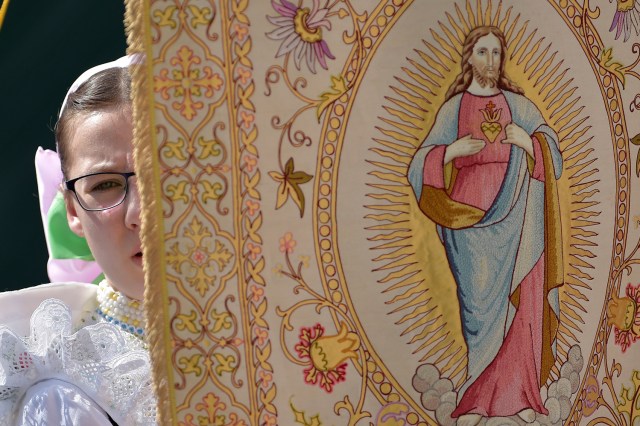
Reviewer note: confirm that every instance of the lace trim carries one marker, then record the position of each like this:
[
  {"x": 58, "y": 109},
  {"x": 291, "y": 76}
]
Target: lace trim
[
  {"x": 106, "y": 363},
  {"x": 120, "y": 310}
]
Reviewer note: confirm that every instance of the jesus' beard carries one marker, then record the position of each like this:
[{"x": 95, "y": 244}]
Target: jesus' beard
[{"x": 485, "y": 77}]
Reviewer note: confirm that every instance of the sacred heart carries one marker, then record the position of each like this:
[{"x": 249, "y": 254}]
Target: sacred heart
[
  {"x": 491, "y": 130},
  {"x": 491, "y": 127}
]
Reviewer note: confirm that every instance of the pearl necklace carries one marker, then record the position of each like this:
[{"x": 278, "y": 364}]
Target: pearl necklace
[{"x": 119, "y": 310}]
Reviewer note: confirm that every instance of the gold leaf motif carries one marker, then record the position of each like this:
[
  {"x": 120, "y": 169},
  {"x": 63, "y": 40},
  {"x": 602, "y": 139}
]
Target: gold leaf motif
[
  {"x": 238, "y": 7},
  {"x": 222, "y": 320},
  {"x": 225, "y": 363},
  {"x": 221, "y": 255},
  {"x": 242, "y": 51},
  {"x": 174, "y": 149},
  {"x": 255, "y": 270},
  {"x": 289, "y": 187},
  {"x": 190, "y": 365},
  {"x": 177, "y": 192},
  {"x": 165, "y": 17},
  {"x": 631, "y": 399},
  {"x": 210, "y": 148},
  {"x": 607, "y": 62},
  {"x": 200, "y": 16},
  {"x": 196, "y": 231},
  {"x": 251, "y": 183},
  {"x": 212, "y": 191},
  {"x": 244, "y": 95},
  {"x": 339, "y": 87},
  {"x": 354, "y": 416},
  {"x": 301, "y": 418},
  {"x": 248, "y": 139},
  {"x": 187, "y": 322}
]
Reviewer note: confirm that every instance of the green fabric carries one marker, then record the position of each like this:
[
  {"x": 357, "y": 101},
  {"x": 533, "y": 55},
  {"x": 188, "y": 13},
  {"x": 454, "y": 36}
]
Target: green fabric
[{"x": 63, "y": 242}]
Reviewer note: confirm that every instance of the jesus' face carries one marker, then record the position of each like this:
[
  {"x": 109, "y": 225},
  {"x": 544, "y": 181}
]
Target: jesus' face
[{"x": 485, "y": 60}]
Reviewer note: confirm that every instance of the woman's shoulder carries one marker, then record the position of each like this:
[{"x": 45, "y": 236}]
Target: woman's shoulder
[{"x": 16, "y": 307}]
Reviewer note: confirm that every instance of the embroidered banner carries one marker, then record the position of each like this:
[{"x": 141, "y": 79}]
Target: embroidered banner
[{"x": 392, "y": 212}]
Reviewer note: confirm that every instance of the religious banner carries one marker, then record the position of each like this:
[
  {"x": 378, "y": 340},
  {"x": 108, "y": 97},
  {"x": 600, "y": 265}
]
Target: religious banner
[{"x": 390, "y": 212}]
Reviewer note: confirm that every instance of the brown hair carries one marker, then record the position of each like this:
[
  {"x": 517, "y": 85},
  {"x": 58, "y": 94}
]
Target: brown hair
[
  {"x": 464, "y": 79},
  {"x": 103, "y": 91}
]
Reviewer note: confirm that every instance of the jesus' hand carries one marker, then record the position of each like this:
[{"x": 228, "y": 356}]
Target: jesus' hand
[
  {"x": 463, "y": 147},
  {"x": 517, "y": 136}
]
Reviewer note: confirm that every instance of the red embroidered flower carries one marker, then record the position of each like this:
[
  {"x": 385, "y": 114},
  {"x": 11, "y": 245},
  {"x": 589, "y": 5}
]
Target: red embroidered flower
[
  {"x": 326, "y": 355},
  {"x": 624, "y": 315}
]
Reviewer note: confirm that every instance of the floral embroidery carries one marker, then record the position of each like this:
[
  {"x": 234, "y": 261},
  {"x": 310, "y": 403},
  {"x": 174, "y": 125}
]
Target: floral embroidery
[
  {"x": 187, "y": 83},
  {"x": 300, "y": 30},
  {"x": 287, "y": 243},
  {"x": 625, "y": 317},
  {"x": 626, "y": 18},
  {"x": 590, "y": 396},
  {"x": 326, "y": 355}
]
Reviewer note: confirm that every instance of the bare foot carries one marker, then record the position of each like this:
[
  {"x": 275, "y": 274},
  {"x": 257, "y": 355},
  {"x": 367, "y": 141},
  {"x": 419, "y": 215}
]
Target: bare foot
[
  {"x": 528, "y": 415},
  {"x": 469, "y": 420}
]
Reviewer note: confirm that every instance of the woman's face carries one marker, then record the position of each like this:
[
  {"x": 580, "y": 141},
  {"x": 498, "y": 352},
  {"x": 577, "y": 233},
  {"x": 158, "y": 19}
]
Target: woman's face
[{"x": 101, "y": 142}]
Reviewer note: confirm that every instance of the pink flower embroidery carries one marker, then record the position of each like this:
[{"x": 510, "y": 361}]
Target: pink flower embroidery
[
  {"x": 254, "y": 251},
  {"x": 626, "y": 19},
  {"x": 300, "y": 30},
  {"x": 287, "y": 243}
]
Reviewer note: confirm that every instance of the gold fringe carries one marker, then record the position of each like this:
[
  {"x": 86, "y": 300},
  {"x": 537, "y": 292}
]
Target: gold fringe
[
  {"x": 3, "y": 11},
  {"x": 147, "y": 171}
]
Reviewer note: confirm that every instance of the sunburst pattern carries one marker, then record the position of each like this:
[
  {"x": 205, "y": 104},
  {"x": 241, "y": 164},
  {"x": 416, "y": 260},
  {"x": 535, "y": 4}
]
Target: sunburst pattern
[{"x": 428, "y": 310}]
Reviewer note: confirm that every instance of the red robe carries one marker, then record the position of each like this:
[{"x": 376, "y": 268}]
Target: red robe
[{"x": 510, "y": 383}]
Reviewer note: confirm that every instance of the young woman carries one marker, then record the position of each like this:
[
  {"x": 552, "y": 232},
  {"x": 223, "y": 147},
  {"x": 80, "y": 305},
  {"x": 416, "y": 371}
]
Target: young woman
[{"x": 81, "y": 358}]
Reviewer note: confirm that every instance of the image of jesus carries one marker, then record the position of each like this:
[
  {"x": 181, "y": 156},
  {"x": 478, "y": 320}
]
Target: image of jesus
[{"x": 486, "y": 175}]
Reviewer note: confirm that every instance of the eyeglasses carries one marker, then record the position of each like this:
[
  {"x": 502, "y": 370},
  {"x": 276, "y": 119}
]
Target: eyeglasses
[{"x": 100, "y": 191}]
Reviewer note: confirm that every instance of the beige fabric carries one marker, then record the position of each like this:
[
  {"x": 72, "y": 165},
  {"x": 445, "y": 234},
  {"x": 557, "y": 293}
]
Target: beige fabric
[{"x": 292, "y": 277}]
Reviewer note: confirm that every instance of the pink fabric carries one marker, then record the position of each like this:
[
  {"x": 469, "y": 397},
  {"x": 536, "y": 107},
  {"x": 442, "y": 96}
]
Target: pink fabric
[
  {"x": 470, "y": 119},
  {"x": 510, "y": 383},
  {"x": 487, "y": 168},
  {"x": 433, "y": 174},
  {"x": 49, "y": 178}
]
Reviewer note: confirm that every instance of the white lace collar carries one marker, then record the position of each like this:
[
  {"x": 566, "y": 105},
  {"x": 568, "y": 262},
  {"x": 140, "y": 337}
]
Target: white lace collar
[{"x": 106, "y": 363}]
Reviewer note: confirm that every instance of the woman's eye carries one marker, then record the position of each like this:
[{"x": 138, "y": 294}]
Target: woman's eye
[{"x": 106, "y": 185}]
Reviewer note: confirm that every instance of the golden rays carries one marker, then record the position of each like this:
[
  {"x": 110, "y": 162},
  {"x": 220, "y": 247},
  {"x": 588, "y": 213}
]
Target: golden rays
[{"x": 421, "y": 289}]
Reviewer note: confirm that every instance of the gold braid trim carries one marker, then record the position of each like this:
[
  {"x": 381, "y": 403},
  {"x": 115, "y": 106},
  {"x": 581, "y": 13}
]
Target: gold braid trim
[{"x": 152, "y": 233}]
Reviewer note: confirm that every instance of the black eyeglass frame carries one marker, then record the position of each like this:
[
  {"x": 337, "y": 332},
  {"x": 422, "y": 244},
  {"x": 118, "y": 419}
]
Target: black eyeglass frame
[{"x": 71, "y": 186}]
